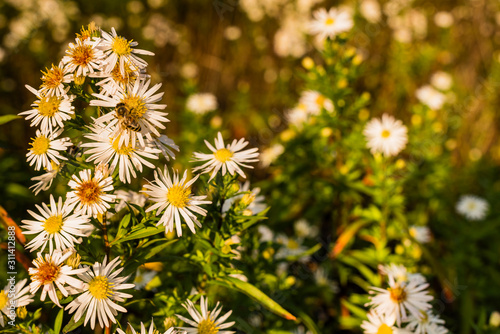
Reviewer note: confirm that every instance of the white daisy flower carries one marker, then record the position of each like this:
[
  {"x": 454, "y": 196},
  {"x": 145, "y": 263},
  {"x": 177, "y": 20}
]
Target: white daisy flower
[
  {"x": 329, "y": 24},
  {"x": 270, "y": 154},
  {"x": 201, "y": 103},
  {"x": 89, "y": 193},
  {"x": 472, "y": 207},
  {"x": 421, "y": 233},
  {"x": 387, "y": 135},
  {"x": 49, "y": 111},
  {"x": 228, "y": 158},
  {"x": 143, "y": 277},
  {"x": 54, "y": 79},
  {"x": 401, "y": 298},
  {"x": 114, "y": 80},
  {"x": 426, "y": 323},
  {"x": 101, "y": 292},
  {"x": 45, "y": 149},
  {"x": 83, "y": 57},
  {"x": 150, "y": 331},
  {"x": 55, "y": 226},
  {"x": 132, "y": 197},
  {"x": 205, "y": 322},
  {"x": 45, "y": 180},
  {"x": 107, "y": 149},
  {"x": 118, "y": 50},
  {"x": 400, "y": 273},
  {"x": 139, "y": 101},
  {"x": 291, "y": 247},
  {"x": 315, "y": 101},
  {"x": 304, "y": 229},
  {"x": 19, "y": 297},
  {"x": 431, "y": 97},
  {"x": 266, "y": 234},
  {"x": 379, "y": 324},
  {"x": 441, "y": 80},
  {"x": 173, "y": 197},
  {"x": 51, "y": 273},
  {"x": 298, "y": 115}
]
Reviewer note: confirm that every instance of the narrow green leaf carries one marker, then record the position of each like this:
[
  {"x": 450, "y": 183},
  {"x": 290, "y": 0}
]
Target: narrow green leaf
[
  {"x": 140, "y": 234},
  {"x": 310, "y": 324},
  {"x": 155, "y": 250},
  {"x": 7, "y": 118},
  {"x": 256, "y": 294},
  {"x": 58, "y": 323},
  {"x": 72, "y": 325}
]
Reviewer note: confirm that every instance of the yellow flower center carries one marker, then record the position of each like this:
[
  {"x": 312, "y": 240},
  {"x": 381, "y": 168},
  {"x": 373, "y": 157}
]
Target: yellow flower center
[
  {"x": 49, "y": 106},
  {"x": 121, "y": 46},
  {"x": 223, "y": 155},
  {"x": 385, "y": 133},
  {"x": 320, "y": 100},
  {"x": 472, "y": 206},
  {"x": 52, "y": 77},
  {"x": 47, "y": 272},
  {"x": 130, "y": 73},
  {"x": 3, "y": 299},
  {"x": 292, "y": 244},
  {"x": 89, "y": 192},
  {"x": 40, "y": 145},
  {"x": 100, "y": 287},
  {"x": 178, "y": 196},
  {"x": 123, "y": 149},
  {"x": 384, "y": 329},
  {"x": 82, "y": 54},
  {"x": 398, "y": 294},
  {"x": 207, "y": 326},
  {"x": 136, "y": 106},
  {"x": 53, "y": 224},
  {"x": 329, "y": 21}
]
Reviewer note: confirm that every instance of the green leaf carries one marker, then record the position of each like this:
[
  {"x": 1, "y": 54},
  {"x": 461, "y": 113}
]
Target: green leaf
[
  {"x": 155, "y": 250},
  {"x": 140, "y": 234},
  {"x": 72, "y": 325},
  {"x": 58, "y": 323},
  {"x": 310, "y": 324},
  {"x": 256, "y": 294},
  {"x": 7, "y": 118}
]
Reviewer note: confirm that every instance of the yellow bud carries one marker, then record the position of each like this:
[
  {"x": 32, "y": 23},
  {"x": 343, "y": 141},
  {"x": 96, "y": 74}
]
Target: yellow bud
[
  {"x": 290, "y": 280},
  {"x": 358, "y": 59},
  {"x": 399, "y": 249},
  {"x": 326, "y": 132},
  {"x": 342, "y": 83},
  {"x": 344, "y": 170},
  {"x": 156, "y": 266},
  {"x": 437, "y": 127},
  {"x": 363, "y": 114},
  {"x": 287, "y": 135},
  {"x": 321, "y": 70},
  {"x": 451, "y": 144},
  {"x": 475, "y": 154},
  {"x": 226, "y": 249},
  {"x": 21, "y": 312},
  {"x": 307, "y": 63},
  {"x": 80, "y": 80},
  {"x": 351, "y": 51},
  {"x": 268, "y": 253},
  {"x": 170, "y": 235},
  {"x": 169, "y": 322},
  {"x": 431, "y": 114},
  {"x": 247, "y": 199},
  {"x": 216, "y": 122},
  {"x": 400, "y": 164},
  {"x": 495, "y": 319},
  {"x": 74, "y": 260},
  {"x": 416, "y": 120},
  {"x": 247, "y": 212}
]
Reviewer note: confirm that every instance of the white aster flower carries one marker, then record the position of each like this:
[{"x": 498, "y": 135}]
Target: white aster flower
[
  {"x": 401, "y": 298},
  {"x": 118, "y": 50},
  {"x": 441, "y": 80},
  {"x": 298, "y": 115},
  {"x": 370, "y": 9},
  {"x": 266, "y": 234},
  {"x": 472, "y": 207},
  {"x": 130, "y": 196},
  {"x": 228, "y": 158},
  {"x": 431, "y": 97},
  {"x": 173, "y": 197},
  {"x": 114, "y": 80},
  {"x": 421, "y": 233},
  {"x": 426, "y": 323},
  {"x": 19, "y": 296},
  {"x": 143, "y": 277},
  {"x": 291, "y": 247},
  {"x": 54, "y": 79},
  {"x": 315, "y": 101},
  {"x": 107, "y": 149},
  {"x": 387, "y": 135},
  {"x": 201, "y": 103},
  {"x": 400, "y": 274},
  {"x": 379, "y": 324},
  {"x": 83, "y": 57},
  {"x": 45, "y": 149},
  {"x": 50, "y": 272},
  {"x": 49, "y": 112},
  {"x": 248, "y": 199},
  {"x": 140, "y": 102},
  {"x": 55, "y": 226},
  {"x": 101, "y": 292},
  {"x": 331, "y": 23},
  {"x": 270, "y": 154},
  {"x": 45, "y": 180},
  {"x": 304, "y": 229},
  {"x": 205, "y": 322},
  {"x": 89, "y": 193},
  {"x": 443, "y": 19}
]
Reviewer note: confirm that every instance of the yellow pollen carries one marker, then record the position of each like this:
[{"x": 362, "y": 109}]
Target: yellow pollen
[
  {"x": 123, "y": 149},
  {"x": 82, "y": 55},
  {"x": 223, "y": 155},
  {"x": 53, "y": 224},
  {"x": 3, "y": 299},
  {"x": 121, "y": 46},
  {"x": 89, "y": 192},
  {"x": 136, "y": 105},
  {"x": 47, "y": 272},
  {"x": 178, "y": 196},
  {"x": 52, "y": 77},
  {"x": 329, "y": 21},
  {"x": 100, "y": 287},
  {"x": 130, "y": 73},
  {"x": 40, "y": 145},
  {"x": 385, "y": 133},
  {"x": 49, "y": 106},
  {"x": 207, "y": 326},
  {"x": 384, "y": 329},
  {"x": 320, "y": 100},
  {"x": 398, "y": 294}
]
